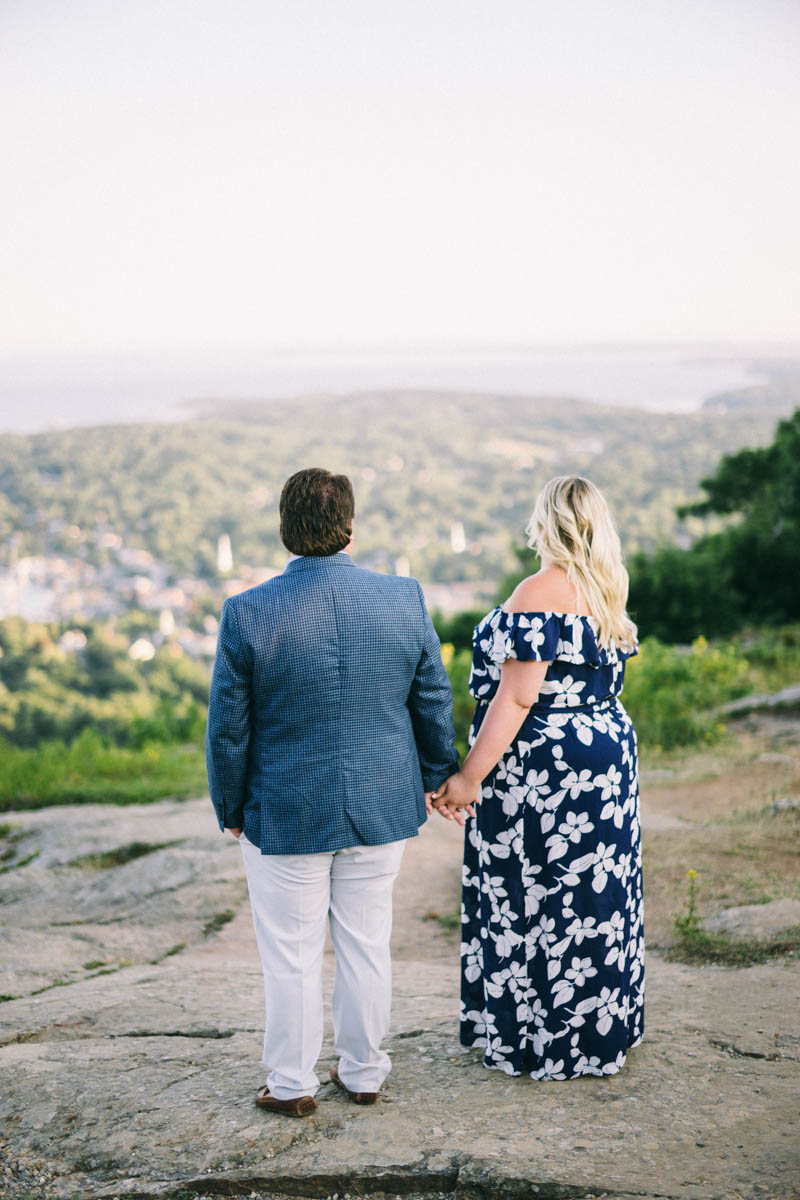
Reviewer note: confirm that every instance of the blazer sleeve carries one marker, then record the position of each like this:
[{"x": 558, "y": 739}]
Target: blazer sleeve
[
  {"x": 228, "y": 728},
  {"x": 430, "y": 702}
]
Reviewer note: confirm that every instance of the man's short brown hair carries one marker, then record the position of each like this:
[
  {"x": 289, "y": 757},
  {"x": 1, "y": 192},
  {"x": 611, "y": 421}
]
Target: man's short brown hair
[{"x": 316, "y": 512}]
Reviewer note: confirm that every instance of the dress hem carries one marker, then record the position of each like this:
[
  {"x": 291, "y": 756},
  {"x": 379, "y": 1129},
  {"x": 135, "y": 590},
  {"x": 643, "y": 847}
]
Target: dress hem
[{"x": 481, "y": 1042}]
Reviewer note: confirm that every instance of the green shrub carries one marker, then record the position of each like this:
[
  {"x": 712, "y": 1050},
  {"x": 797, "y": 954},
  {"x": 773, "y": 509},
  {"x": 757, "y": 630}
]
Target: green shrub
[
  {"x": 670, "y": 691},
  {"x": 773, "y": 656},
  {"x": 458, "y": 664},
  {"x": 458, "y": 628}
]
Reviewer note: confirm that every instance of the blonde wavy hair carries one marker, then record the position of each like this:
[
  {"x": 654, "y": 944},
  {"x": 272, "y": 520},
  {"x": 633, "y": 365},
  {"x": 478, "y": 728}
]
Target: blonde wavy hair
[{"x": 572, "y": 527}]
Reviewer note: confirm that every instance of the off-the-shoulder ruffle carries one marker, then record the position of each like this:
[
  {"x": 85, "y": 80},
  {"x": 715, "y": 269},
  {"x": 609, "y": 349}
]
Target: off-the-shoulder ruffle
[{"x": 545, "y": 637}]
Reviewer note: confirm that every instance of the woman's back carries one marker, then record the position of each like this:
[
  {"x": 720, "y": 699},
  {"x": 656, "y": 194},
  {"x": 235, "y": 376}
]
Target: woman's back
[
  {"x": 549, "y": 590},
  {"x": 547, "y": 619}
]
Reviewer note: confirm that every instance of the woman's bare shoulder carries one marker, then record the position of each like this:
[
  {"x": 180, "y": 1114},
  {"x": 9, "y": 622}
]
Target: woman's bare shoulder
[{"x": 548, "y": 590}]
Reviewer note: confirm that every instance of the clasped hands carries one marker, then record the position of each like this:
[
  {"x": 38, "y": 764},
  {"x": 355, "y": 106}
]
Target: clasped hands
[{"x": 455, "y": 799}]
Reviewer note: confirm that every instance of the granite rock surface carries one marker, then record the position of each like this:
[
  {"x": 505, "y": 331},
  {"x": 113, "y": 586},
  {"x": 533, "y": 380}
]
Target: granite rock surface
[{"x": 140, "y": 1082}]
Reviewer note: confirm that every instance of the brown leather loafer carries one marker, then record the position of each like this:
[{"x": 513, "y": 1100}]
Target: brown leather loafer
[
  {"x": 301, "y": 1106},
  {"x": 356, "y": 1097}
]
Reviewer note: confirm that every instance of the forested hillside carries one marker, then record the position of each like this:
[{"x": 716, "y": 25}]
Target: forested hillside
[
  {"x": 115, "y": 710},
  {"x": 421, "y": 463}
]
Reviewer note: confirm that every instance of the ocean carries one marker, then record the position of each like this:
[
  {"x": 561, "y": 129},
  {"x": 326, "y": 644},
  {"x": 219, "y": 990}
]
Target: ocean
[{"x": 40, "y": 393}]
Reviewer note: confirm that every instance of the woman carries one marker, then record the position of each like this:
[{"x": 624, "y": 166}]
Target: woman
[{"x": 553, "y": 945}]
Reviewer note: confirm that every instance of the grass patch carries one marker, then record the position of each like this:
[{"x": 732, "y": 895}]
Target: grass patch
[
  {"x": 168, "y": 953},
  {"x": 94, "y": 964},
  {"x": 91, "y": 770},
  {"x": 697, "y": 947},
  {"x": 48, "y": 987},
  {"x": 23, "y": 862},
  {"x": 11, "y": 835},
  {"x": 449, "y": 921},
  {"x": 109, "y": 969},
  {"x": 217, "y": 921},
  {"x": 104, "y": 860},
  {"x": 7, "y": 996}
]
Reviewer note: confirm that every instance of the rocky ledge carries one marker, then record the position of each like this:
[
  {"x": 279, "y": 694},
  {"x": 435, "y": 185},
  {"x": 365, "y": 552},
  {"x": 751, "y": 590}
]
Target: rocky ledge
[{"x": 140, "y": 1082}]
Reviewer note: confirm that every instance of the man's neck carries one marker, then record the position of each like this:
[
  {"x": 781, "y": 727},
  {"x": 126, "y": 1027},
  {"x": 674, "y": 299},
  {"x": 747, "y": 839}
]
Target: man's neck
[{"x": 348, "y": 549}]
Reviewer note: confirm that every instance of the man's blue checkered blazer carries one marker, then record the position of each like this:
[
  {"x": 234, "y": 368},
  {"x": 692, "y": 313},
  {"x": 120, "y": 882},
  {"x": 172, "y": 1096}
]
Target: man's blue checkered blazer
[{"x": 330, "y": 712}]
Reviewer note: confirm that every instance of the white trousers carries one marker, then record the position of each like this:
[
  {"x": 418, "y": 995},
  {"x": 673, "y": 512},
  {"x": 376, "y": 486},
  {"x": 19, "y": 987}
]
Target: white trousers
[{"x": 292, "y": 896}]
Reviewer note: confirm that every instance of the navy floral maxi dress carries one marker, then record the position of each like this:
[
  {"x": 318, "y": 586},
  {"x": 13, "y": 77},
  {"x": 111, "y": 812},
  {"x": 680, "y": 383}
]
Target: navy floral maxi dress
[{"x": 553, "y": 941}]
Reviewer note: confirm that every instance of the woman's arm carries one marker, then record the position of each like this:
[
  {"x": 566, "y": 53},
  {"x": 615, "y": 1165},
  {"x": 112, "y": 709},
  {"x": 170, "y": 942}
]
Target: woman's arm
[{"x": 519, "y": 687}]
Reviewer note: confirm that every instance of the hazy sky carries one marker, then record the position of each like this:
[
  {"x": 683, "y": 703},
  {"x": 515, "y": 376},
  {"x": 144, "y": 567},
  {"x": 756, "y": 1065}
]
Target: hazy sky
[{"x": 195, "y": 173}]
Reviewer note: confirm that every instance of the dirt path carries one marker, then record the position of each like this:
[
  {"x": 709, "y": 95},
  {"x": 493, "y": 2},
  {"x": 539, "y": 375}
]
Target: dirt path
[{"x": 732, "y": 814}]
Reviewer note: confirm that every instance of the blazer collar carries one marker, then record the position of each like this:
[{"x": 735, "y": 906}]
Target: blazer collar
[{"x": 319, "y": 562}]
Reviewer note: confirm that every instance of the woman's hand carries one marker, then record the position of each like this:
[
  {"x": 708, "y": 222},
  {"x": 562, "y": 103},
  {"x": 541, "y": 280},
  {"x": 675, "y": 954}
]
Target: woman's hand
[
  {"x": 457, "y": 795},
  {"x": 451, "y": 814}
]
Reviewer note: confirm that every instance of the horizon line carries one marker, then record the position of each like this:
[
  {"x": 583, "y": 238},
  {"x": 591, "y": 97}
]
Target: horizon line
[{"x": 397, "y": 350}]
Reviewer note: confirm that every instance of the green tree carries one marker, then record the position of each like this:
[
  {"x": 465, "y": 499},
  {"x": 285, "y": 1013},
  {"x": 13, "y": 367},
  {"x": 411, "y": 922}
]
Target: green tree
[
  {"x": 743, "y": 574},
  {"x": 458, "y": 629}
]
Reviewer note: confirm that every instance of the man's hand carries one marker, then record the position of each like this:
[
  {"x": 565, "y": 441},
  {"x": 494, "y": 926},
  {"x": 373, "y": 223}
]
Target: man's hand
[
  {"x": 451, "y": 814},
  {"x": 237, "y": 833},
  {"x": 456, "y": 794},
  {"x": 459, "y": 815}
]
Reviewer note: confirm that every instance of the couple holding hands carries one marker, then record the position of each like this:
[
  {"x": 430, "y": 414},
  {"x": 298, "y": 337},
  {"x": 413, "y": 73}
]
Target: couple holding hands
[{"x": 330, "y": 739}]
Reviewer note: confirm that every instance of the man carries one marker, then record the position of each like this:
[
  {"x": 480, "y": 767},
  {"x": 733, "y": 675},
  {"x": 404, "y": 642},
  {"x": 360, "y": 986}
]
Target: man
[{"x": 330, "y": 718}]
